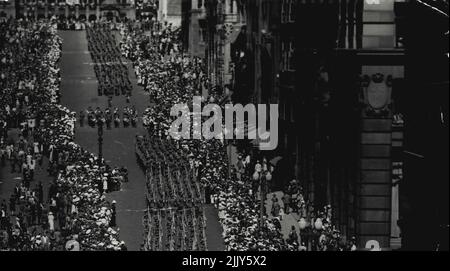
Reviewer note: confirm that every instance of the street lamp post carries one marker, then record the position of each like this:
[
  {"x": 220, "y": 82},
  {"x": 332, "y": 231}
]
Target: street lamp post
[
  {"x": 100, "y": 142},
  {"x": 310, "y": 232},
  {"x": 261, "y": 205},
  {"x": 262, "y": 177}
]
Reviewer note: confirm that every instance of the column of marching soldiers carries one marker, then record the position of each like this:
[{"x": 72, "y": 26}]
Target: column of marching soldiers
[
  {"x": 113, "y": 80},
  {"x": 175, "y": 219}
]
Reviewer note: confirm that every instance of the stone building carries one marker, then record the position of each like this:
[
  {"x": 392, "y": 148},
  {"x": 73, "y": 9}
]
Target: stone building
[
  {"x": 170, "y": 11},
  {"x": 222, "y": 28},
  {"x": 193, "y": 26}
]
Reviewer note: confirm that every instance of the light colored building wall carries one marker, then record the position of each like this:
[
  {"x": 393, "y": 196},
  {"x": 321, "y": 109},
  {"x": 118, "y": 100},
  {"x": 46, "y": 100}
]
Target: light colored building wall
[
  {"x": 8, "y": 7},
  {"x": 170, "y": 11},
  {"x": 379, "y": 24}
]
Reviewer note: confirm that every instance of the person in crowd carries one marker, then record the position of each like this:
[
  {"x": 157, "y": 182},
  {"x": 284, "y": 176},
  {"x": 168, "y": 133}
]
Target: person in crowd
[
  {"x": 113, "y": 214},
  {"x": 276, "y": 208},
  {"x": 286, "y": 203},
  {"x": 293, "y": 236},
  {"x": 51, "y": 221}
]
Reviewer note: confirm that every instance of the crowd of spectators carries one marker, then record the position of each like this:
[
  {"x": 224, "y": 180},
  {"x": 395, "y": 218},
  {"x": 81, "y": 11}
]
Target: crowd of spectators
[{"x": 37, "y": 131}]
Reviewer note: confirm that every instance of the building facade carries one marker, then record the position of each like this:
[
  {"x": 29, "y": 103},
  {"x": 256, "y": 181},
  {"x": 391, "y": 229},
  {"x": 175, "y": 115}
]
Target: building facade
[
  {"x": 337, "y": 107},
  {"x": 76, "y": 9},
  {"x": 222, "y": 28},
  {"x": 193, "y": 27},
  {"x": 425, "y": 104},
  {"x": 169, "y": 11},
  {"x": 337, "y": 70},
  {"x": 7, "y": 8}
]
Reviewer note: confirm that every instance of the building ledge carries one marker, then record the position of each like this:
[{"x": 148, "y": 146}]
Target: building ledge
[{"x": 374, "y": 51}]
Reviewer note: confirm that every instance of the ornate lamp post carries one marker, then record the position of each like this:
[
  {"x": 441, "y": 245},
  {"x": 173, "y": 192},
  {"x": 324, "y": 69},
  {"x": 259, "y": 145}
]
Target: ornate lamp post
[
  {"x": 100, "y": 141},
  {"x": 264, "y": 180},
  {"x": 310, "y": 232},
  {"x": 262, "y": 175}
]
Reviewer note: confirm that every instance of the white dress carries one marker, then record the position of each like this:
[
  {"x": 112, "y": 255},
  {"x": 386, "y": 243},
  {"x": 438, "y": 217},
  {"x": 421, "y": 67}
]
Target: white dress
[
  {"x": 31, "y": 123},
  {"x": 29, "y": 158},
  {"x": 74, "y": 209},
  {"x": 36, "y": 147},
  {"x": 51, "y": 222}
]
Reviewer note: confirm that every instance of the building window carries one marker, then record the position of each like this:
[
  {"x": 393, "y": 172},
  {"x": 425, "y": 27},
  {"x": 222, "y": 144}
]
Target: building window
[
  {"x": 288, "y": 11},
  {"x": 283, "y": 11},
  {"x": 292, "y": 11},
  {"x": 288, "y": 54}
]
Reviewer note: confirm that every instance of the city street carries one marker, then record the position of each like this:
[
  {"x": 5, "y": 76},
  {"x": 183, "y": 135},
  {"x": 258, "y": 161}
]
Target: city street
[{"x": 78, "y": 92}]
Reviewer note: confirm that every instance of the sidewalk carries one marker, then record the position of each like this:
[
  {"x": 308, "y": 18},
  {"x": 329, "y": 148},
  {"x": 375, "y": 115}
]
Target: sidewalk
[
  {"x": 9, "y": 180},
  {"x": 289, "y": 220}
]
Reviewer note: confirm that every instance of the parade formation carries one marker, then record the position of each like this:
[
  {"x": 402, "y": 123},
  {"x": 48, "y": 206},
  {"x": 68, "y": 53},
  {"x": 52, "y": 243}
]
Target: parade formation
[{"x": 111, "y": 73}]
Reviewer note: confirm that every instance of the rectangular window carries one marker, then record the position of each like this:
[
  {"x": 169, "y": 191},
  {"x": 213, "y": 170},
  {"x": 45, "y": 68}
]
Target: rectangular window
[
  {"x": 292, "y": 9},
  {"x": 288, "y": 8},
  {"x": 265, "y": 10},
  {"x": 284, "y": 11},
  {"x": 288, "y": 55},
  {"x": 291, "y": 56},
  {"x": 283, "y": 56}
]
